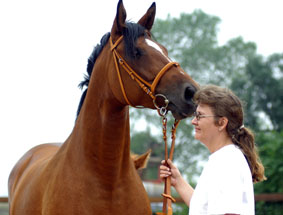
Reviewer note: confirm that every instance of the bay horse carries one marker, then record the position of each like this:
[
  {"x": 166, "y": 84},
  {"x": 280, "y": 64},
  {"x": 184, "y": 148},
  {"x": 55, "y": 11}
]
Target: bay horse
[{"x": 92, "y": 171}]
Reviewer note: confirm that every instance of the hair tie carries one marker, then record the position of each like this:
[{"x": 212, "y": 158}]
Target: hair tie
[{"x": 242, "y": 126}]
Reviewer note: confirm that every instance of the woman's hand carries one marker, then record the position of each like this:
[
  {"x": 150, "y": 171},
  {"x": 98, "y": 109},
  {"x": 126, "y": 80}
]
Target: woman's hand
[
  {"x": 182, "y": 187},
  {"x": 172, "y": 171}
]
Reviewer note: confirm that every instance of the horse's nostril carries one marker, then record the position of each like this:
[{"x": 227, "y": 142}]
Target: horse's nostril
[{"x": 189, "y": 93}]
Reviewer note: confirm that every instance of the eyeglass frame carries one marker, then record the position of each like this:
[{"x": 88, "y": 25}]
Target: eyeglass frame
[{"x": 198, "y": 116}]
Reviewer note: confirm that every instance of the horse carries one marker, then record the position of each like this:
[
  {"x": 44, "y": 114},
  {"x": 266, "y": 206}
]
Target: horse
[{"x": 92, "y": 171}]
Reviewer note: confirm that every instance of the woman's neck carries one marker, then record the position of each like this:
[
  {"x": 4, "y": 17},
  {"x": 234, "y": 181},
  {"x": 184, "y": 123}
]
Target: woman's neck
[{"x": 219, "y": 142}]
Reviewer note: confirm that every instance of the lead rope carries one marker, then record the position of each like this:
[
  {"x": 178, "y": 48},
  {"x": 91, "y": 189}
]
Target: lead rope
[{"x": 167, "y": 198}]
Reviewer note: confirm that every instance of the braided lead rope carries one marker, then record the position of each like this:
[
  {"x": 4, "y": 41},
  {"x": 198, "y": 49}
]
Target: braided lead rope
[
  {"x": 173, "y": 137},
  {"x": 167, "y": 198}
]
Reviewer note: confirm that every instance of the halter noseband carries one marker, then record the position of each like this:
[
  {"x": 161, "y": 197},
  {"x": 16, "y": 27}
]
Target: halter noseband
[{"x": 144, "y": 85}]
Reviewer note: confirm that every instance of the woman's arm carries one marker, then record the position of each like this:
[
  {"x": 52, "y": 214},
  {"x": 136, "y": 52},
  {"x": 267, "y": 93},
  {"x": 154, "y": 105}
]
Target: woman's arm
[{"x": 177, "y": 181}]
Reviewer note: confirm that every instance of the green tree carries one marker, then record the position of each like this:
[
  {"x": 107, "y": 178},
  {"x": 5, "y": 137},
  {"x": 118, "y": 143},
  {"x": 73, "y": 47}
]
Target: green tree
[
  {"x": 270, "y": 149},
  {"x": 261, "y": 88},
  {"x": 191, "y": 40},
  {"x": 144, "y": 140}
]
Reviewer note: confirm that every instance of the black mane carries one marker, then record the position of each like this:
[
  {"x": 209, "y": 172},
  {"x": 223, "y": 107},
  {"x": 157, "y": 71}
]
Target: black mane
[{"x": 131, "y": 33}]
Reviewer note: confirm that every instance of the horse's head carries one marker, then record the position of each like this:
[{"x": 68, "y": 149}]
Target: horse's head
[{"x": 144, "y": 70}]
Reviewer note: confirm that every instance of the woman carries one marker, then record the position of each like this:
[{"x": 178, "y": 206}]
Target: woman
[{"x": 226, "y": 183}]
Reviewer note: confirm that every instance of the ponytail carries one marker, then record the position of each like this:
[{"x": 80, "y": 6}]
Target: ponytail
[{"x": 244, "y": 139}]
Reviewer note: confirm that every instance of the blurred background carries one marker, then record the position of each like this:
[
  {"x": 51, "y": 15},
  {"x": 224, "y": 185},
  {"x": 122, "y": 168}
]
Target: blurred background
[{"x": 44, "y": 46}]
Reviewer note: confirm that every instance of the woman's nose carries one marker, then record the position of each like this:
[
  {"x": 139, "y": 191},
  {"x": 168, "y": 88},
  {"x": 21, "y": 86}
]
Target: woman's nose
[{"x": 194, "y": 121}]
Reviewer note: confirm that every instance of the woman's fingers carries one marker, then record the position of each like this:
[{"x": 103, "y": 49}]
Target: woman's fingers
[
  {"x": 163, "y": 167},
  {"x": 164, "y": 174},
  {"x": 170, "y": 163},
  {"x": 169, "y": 169},
  {"x": 164, "y": 171}
]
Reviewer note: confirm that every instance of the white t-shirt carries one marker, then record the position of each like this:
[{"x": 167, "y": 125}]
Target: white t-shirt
[{"x": 225, "y": 185}]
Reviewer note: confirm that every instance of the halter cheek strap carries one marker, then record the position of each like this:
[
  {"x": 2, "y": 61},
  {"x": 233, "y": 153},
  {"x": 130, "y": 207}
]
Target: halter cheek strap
[
  {"x": 144, "y": 85},
  {"x": 161, "y": 73}
]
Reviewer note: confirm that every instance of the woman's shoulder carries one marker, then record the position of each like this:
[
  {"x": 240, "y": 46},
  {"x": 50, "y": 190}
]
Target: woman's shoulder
[
  {"x": 228, "y": 151},
  {"x": 227, "y": 158}
]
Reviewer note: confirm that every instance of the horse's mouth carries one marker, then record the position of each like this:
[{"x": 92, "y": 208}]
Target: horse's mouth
[
  {"x": 181, "y": 113},
  {"x": 179, "y": 116}
]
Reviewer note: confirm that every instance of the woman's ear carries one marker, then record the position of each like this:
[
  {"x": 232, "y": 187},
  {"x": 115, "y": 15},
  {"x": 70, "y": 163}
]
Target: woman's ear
[{"x": 222, "y": 122}]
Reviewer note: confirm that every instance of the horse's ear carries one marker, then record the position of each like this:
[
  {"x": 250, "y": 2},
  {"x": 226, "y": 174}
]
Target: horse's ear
[
  {"x": 141, "y": 161},
  {"x": 119, "y": 23},
  {"x": 148, "y": 19}
]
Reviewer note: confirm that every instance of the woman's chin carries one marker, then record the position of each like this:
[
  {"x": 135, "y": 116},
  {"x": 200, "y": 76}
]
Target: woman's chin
[{"x": 197, "y": 136}]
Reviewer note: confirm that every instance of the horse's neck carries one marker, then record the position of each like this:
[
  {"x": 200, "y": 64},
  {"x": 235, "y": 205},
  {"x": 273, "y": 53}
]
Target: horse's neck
[
  {"x": 103, "y": 131},
  {"x": 101, "y": 134}
]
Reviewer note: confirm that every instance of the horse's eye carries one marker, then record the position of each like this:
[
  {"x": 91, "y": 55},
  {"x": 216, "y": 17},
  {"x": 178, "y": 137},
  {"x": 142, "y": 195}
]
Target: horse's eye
[{"x": 138, "y": 53}]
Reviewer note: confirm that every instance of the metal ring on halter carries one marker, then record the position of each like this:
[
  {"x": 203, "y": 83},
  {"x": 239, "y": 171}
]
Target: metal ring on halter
[{"x": 162, "y": 110}]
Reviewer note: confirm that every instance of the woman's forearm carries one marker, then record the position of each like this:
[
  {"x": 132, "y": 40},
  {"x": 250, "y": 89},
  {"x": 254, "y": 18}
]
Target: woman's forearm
[{"x": 185, "y": 190}]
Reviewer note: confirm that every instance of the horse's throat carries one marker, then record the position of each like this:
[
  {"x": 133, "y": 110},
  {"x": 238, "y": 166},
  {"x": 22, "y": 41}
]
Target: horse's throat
[{"x": 102, "y": 134}]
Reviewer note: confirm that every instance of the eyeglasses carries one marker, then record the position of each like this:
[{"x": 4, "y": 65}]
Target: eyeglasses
[{"x": 198, "y": 116}]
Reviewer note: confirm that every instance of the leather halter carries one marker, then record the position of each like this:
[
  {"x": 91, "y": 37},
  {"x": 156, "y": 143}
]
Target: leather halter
[{"x": 144, "y": 85}]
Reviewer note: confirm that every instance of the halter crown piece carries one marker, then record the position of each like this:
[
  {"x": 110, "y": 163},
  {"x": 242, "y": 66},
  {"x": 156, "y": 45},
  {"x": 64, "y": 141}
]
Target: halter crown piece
[{"x": 162, "y": 111}]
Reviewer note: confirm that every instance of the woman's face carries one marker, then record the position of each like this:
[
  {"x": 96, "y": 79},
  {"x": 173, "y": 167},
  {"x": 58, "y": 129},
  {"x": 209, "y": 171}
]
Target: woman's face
[{"x": 205, "y": 128}]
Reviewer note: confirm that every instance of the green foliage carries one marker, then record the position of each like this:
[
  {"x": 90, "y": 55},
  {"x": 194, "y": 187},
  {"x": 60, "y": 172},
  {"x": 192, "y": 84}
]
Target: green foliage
[
  {"x": 259, "y": 87},
  {"x": 191, "y": 40},
  {"x": 144, "y": 140},
  {"x": 270, "y": 150},
  {"x": 263, "y": 208}
]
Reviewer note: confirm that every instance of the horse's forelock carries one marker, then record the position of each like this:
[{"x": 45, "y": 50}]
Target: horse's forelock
[{"x": 131, "y": 33}]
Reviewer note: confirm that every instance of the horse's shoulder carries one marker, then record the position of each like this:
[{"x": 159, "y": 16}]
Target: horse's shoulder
[{"x": 39, "y": 152}]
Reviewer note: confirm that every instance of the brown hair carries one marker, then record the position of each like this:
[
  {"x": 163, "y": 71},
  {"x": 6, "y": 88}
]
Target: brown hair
[{"x": 224, "y": 103}]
